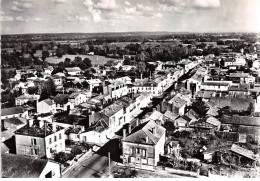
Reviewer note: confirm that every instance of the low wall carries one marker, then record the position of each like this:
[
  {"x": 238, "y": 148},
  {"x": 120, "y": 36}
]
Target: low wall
[{"x": 182, "y": 172}]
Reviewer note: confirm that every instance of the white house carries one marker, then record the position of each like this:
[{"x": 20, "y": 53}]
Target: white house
[
  {"x": 14, "y": 112},
  {"x": 46, "y": 106}
]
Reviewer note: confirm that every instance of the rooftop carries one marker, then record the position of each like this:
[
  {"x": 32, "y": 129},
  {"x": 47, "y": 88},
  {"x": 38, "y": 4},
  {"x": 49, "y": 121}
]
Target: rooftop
[
  {"x": 145, "y": 130},
  {"x": 73, "y": 69},
  {"x": 111, "y": 110},
  {"x": 11, "y": 111},
  {"x": 37, "y": 131},
  {"x": 61, "y": 98},
  {"x": 21, "y": 166},
  {"x": 241, "y": 120}
]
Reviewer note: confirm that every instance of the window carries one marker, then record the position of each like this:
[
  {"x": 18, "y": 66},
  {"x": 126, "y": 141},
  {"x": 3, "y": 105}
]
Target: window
[
  {"x": 132, "y": 150},
  {"x": 144, "y": 153},
  {"x": 55, "y": 138},
  {"x": 33, "y": 140},
  {"x": 60, "y": 136},
  {"x": 50, "y": 141},
  {"x": 34, "y": 152},
  {"x": 137, "y": 150}
]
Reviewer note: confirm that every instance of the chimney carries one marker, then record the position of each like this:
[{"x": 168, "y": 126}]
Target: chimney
[
  {"x": 124, "y": 133},
  {"x": 41, "y": 123},
  {"x": 146, "y": 139},
  {"x": 30, "y": 122},
  {"x": 154, "y": 109},
  {"x": 92, "y": 112},
  {"x": 54, "y": 126},
  {"x": 129, "y": 128},
  {"x": 82, "y": 128},
  {"x": 74, "y": 125}
]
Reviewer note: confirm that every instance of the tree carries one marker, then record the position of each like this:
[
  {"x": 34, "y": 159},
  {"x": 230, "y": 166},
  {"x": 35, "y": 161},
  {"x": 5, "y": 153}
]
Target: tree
[
  {"x": 49, "y": 89},
  {"x": 200, "y": 107},
  {"x": 67, "y": 62}
]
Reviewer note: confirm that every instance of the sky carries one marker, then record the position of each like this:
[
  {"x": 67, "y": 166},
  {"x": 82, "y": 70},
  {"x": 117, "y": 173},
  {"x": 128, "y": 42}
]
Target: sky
[{"x": 69, "y": 16}]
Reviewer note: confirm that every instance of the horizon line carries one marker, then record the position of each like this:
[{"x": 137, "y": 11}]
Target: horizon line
[{"x": 195, "y": 32}]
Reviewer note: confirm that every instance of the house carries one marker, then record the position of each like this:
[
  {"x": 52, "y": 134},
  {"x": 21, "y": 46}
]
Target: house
[
  {"x": 74, "y": 132},
  {"x": 23, "y": 99},
  {"x": 58, "y": 80},
  {"x": 240, "y": 151},
  {"x": 243, "y": 125},
  {"x": 241, "y": 78},
  {"x": 24, "y": 86},
  {"x": 182, "y": 123},
  {"x": 98, "y": 132},
  {"x": 38, "y": 54},
  {"x": 117, "y": 88},
  {"x": 14, "y": 112},
  {"x": 62, "y": 102},
  {"x": 177, "y": 105},
  {"x": 156, "y": 116},
  {"x": 143, "y": 146},
  {"x": 239, "y": 90},
  {"x": 92, "y": 83},
  {"x": 116, "y": 116},
  {"x": 169, "y": 116},
  {"x": 72, "y": 71},
  {"x": 13, "y": 123},
  {"x": 46, "y": 106},
  {"x": 22, "y": 166},
  {"x": 77, "y": 98},
  {"x": 215, "y": 85},
  {"x": 48, "y": 70},
  {"x": 173, "y": 148},
  {"x": 39, "y": 139}
]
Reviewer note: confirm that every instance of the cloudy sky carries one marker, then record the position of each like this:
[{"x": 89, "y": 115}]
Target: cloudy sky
[{"x": 60, "y": 16}]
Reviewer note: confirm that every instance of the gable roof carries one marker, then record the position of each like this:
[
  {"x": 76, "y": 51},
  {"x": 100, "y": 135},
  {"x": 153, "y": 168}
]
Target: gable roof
[
  {"x": 155, "y": 115},
  {"x": 21, "y": 166},
  {"x": 111, "y": 110},
  {"x": 177, "y": 102},
  {"x": 170, "y": 115},
  {"x": 98, "y": 116},
  {"x": 15, "y": 121},
  {"x": 141, "y": 132},
  {"x": 235, "y": 103},
  {"x": 213, "y": 121},
  {"x": 11, "y": 111},
  {"x": 48, "y": 101}
]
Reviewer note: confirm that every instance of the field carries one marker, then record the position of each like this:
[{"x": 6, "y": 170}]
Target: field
[{"x": 95, "y": 60}]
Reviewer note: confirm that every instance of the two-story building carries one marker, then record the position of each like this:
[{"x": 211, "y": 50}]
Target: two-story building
[
  {"x": 23, "y": 99},
  {"x": 13, "y": 112},
  {"x": 46, "y": 106},
  {"x": 143, "y": 145},
  {"x": 39, "y": 139}
]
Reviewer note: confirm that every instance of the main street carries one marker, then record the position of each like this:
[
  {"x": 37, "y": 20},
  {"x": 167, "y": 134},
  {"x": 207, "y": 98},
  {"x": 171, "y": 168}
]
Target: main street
[{"x": 97, "y": 165}]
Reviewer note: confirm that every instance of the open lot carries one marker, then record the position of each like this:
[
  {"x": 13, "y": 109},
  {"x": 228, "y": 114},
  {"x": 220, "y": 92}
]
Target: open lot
[{"x": 95, "y": 59}]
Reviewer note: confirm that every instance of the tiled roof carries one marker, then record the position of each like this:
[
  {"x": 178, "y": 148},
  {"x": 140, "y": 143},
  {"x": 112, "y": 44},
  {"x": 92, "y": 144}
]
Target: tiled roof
[
  {"x": 98, "y": 116},
  {"x": 241, "y": 120},
  {"x": 15, "y": 121},
  {"x": 11, "y": 111},
  {"x": 111, "y": 110},
  {"x": 215, "y": 83},
  {"x": 155, "y": 115},
  {"x": 21, "y": 166},
  {"x": 170, "y": 115},
  {"x": 242, "y": 151},
  {"x": 235, "y": 103},
  {"x": 249, "y": 130},
  {"x": 177, "y": 102},
  {"x": 213, "y": 121},
  {"x": 36, "y": 131},
  {"x": 48, "y": 101},
  {"x": 144, "y": 130}
]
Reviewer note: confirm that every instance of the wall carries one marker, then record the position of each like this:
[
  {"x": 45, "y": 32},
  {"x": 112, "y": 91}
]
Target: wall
[
  {"x": 159, "y": 148},
  {"x": 54, "y": 168},
  {"x": 24, "y": 145},
  {"x": 58, "y": 145}
]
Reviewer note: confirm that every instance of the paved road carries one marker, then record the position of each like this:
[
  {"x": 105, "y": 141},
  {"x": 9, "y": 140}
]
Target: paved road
[{"x": 94, "y": 167}]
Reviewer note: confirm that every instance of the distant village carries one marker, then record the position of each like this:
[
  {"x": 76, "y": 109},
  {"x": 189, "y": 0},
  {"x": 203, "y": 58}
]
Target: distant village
[{"x": 199, "y": 116}]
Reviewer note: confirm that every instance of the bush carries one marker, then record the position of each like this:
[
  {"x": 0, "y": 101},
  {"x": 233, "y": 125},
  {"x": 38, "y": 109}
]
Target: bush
[
  {"x": 76, "y": 150},
  {"x": 62, "y": 157}
]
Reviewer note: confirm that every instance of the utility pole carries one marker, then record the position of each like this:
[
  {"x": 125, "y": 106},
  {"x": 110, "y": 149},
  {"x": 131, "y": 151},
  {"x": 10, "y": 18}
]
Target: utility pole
[{"x": 109, "y": 171}]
